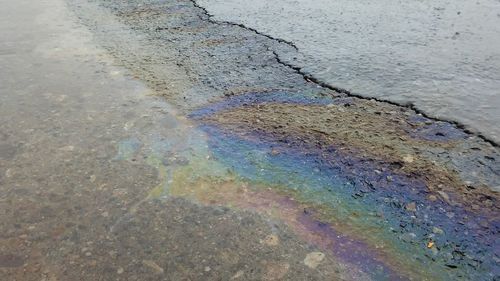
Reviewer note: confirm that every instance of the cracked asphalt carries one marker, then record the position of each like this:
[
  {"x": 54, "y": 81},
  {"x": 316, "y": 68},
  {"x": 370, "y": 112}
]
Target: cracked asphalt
[{"x": 142, "y": 140}]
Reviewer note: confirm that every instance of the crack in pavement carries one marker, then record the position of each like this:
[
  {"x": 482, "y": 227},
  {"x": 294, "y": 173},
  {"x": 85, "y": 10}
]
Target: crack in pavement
[{"x": 311, "y": 78}]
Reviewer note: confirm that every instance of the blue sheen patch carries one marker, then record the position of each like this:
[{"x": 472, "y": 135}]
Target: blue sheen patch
[{"x": 347, "y": 184}]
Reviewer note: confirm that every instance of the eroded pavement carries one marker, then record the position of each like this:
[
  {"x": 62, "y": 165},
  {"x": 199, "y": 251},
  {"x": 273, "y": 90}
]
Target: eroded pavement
[{"x": 141, "y": 140}]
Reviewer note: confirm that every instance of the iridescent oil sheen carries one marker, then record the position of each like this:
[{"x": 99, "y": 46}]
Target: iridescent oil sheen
[{"x": 375, "y": 215}]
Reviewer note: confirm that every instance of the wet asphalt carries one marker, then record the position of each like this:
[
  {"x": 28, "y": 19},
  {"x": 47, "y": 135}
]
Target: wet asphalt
[
  {"x": 442, "y": 56},
  {"x": 97, "y": 113},
  {"x": 71, "y": 208}
]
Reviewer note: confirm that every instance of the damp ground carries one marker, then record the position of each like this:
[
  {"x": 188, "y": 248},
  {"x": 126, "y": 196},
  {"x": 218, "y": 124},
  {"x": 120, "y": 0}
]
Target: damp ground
[
  {"x": 76, "y": 180},
  {"x": 142, "y": 140}
]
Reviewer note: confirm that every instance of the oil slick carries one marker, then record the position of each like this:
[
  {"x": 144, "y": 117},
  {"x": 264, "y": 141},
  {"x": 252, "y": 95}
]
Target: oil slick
[{"x": 377, "y": 217}]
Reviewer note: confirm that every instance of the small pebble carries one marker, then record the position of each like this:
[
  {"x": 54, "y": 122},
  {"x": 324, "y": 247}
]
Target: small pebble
[
  {"x": 238, "y": 274},
  {"x": 153, "y": 265},
  {"x": 271, "y": 240},
  {"x": 67, "y": 148},
  {"x": 408, "y": 159},
  {"x": 412, "y": 207},
  {"x": 444, "y": 196},
  {"x": 313, "y": 259},
  {"x": 437, "y": 230}
]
